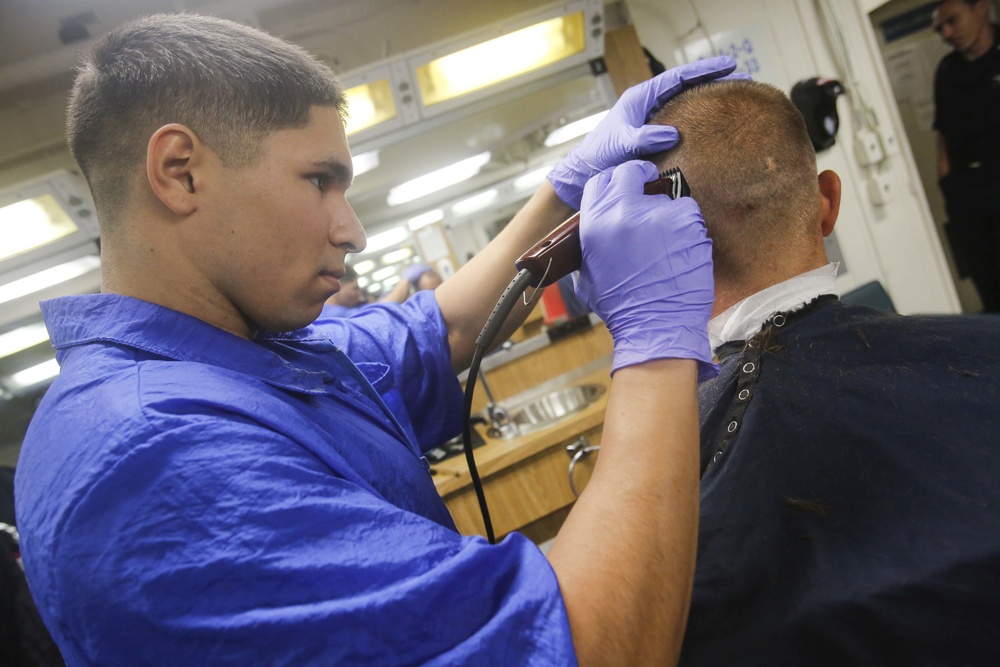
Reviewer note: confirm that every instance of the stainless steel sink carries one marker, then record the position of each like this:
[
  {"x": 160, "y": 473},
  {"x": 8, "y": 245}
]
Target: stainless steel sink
[{"x": 554, "y": 407}]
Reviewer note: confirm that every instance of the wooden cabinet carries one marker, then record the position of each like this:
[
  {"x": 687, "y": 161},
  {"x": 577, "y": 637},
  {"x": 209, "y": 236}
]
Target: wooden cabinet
[
  {"x": 526, "y": 478},
  {"x": 524, "y": 492}
]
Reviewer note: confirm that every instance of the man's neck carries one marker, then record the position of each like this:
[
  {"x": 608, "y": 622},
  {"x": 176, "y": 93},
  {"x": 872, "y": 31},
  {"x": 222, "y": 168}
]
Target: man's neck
[
  {"x": 145, "y": 269},
  {"x": 744, "y": 317}
]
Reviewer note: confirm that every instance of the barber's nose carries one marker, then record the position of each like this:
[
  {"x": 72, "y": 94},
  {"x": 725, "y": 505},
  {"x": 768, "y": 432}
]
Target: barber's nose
[{"x": 345, "y": 229}]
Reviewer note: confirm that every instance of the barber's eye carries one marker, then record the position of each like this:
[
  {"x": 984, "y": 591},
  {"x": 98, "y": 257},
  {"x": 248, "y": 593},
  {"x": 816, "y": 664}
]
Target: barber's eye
[{"x": 321, "y": 181}]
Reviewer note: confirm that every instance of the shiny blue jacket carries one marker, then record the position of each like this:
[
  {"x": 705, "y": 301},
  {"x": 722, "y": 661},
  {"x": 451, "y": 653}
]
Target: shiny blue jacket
[{"x": 188, "y": 497}]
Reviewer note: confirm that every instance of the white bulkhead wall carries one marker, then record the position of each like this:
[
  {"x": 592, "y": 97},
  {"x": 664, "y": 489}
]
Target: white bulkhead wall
[{"x": 784, "y": 41}]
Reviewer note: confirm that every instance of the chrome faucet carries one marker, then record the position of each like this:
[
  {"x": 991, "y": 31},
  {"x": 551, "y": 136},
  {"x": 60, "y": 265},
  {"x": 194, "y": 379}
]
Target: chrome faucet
[{"x": 501, "y": 425}]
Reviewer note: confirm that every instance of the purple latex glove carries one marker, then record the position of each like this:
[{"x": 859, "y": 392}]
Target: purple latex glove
[
  {"x": 647, "y": 269},
  {"x": 623, "y": 134},
  {"x": 412, "y": 273}
]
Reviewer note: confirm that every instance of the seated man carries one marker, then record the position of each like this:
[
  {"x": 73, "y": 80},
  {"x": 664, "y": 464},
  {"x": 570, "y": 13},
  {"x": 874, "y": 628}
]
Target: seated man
[
  {"x": 849, "y": 498},
  {"x": 348, "y": 299},
  {"x": 422, "y": 277},
  {"x": 414, "y": 278}
]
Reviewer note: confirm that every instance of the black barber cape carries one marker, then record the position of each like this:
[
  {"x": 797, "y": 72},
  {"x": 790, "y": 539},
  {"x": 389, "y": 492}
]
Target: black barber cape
[{"x": 850, "y": 503}]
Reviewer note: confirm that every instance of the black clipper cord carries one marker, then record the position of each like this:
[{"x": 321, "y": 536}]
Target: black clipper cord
[
  {"x": 555, "y": 256},
  {"x": 496, "y": 319}
]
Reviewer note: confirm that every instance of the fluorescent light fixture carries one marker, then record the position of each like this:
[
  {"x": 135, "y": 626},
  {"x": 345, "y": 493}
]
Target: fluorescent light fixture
[
  {"x": 375, "y": 288},
  {"x": 365, "y": 162},
  {"x": 386, "y": 239},
  {"x": 424, "y": 219},
  {"x": 437, "y": 180},
  {"x": 532, "y": 179},
  {"x": 389, "y": 282},
  {"x": 49, "y": 277},
  {"x": 382, "y": 274},
  {"x": 502, "y": 58},
  {"x": 31, "y": 223},
  {"x": 21, "y": 339},
  {"x": 32, "y": 376},
  {"x": 364, "y": 266},
  {"x": 573, "y": 130},
  {"x": 368, "y": 105},
  {"x": 475, "y": 202},
  {"x": 363, "y": 282},
  {"x": 397, "y": 256}
]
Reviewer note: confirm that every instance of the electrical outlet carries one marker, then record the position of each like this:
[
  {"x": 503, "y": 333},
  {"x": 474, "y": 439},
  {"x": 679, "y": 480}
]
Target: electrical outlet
[
  {"x": 868, "y": 148},
  {"x": 890, "y": 145},
  {"x": 880, "y": 189}
]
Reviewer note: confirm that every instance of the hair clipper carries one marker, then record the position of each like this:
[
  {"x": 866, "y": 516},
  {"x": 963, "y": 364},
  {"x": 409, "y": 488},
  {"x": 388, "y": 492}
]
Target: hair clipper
[{"x": 559, "y": 253}]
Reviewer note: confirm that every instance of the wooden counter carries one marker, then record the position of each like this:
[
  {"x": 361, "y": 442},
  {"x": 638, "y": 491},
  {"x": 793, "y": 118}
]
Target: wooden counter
[{"x": 526, "y": 478}]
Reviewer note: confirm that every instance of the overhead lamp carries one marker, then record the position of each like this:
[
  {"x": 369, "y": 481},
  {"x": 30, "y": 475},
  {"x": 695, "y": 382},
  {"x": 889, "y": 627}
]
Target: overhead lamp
[
  {"x": 31, "y": 223},
  {"x": 386, "y": 239},
  {"x": 33, "y": 376},
  {"x": 375, "y": 288},
  {"x": 364, "y": 282},
  {"x": 437, "y": 180},
  {"x": 397, "y": 256},
  {"x": 475, "y": 202},
  {"x": 502, "y": 58},
  {"x": 573, "y": 130},
  {"x": 532, "y": 179},
  {"x": 365, "y": 162},
  {"x": 389, "y": 282},
  {"x": 424, "y": 219},
  {"x": 369, "y": 104},
  {"x": 22, "y": 338},
  {"x": 364, "y": 266},
  {"x": 384, "y": 273},
  {"x": 60, "y": 273}
]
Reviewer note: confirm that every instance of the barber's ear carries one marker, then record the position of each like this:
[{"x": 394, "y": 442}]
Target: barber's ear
[
  {"x": 173, "y": 160},
  {"x": 829, "y": 194}
]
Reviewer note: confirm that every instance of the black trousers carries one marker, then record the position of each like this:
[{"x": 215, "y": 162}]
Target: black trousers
[{"x": 972, "y": 198}]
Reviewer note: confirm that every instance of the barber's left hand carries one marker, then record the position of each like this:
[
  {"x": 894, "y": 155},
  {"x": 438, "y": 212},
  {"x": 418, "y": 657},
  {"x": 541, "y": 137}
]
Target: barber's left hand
[{"x": 623, "y": 134}]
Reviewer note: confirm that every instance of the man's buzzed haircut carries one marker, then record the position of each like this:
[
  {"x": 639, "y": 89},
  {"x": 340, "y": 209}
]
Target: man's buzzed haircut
[
  {"x": 230, "y": 84},
  {"x": 746, "y": 154}
]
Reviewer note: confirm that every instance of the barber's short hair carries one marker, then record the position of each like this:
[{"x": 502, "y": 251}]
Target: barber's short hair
[
  {"x": 746, "y": 154},
  {"x": 230, "y": 84}
]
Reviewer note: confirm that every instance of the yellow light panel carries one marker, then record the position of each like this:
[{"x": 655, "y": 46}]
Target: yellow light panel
[
  {"x": 500, "y": 59},
  {"x": 369, "y": 104},
  {"x": 32, "y": 223}
]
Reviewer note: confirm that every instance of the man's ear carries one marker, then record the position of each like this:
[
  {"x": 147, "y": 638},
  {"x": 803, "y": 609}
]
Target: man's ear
[
  {"x": 173, "y": 158},
  {"x": 829, "y": 195}
]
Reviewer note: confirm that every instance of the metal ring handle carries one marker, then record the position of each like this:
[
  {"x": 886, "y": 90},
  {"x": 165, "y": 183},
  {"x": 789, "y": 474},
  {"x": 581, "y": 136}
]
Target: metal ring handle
[{"x": 578, "y": 456}]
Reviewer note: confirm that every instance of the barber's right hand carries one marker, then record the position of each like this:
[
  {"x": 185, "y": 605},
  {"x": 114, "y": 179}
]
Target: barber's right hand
[{"x": 647, "y": 268}]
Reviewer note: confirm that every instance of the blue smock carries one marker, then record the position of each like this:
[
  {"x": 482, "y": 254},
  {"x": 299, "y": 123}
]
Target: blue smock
[
  {"x": 189, "y": 497},
  {"x": 331, "y": 310}
]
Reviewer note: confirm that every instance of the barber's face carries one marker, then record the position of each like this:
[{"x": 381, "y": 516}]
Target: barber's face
[
  {"x": 960, "y": 23},
  {"x": 285, "y": 225}
]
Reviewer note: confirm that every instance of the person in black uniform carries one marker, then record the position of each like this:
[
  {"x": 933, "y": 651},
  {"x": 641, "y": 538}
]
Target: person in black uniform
[{"x": 967, "y": 122}]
